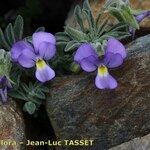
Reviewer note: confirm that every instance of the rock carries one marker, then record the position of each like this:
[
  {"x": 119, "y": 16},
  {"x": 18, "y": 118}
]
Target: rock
[
  {"x": 97, "y": 4},
  {"x": 12, "y": 127},
  {"x": 78, "y": 110},
  {"x": 135, "y": 144}
]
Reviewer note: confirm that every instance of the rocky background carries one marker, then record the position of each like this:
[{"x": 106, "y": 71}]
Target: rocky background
[
  {"x": 137, "y": 144},
  {"x": 78, "y": 110},
  {"x": 75, "y": 108},
  {"x": 12, "y": 126}
]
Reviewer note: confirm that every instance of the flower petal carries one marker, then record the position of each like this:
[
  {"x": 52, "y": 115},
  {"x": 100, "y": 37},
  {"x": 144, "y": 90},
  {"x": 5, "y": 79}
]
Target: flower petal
[
  {"x": 142, "y": 16},
  {"x": 116, "y": 47},
  {"x": 89, "y": 64},
  {"x": 29, "y": 54},
  {"x": 3, "y": 80},
  {"x": 104, "y": 80},
  {"x": 47, "y": 50},
  {"x": 45, "y": 74},
  {"x": 27, "y": 58},
  {"x": 84, "y": 51},
  {"x": 40, "y": 37},
  {"x": 3, "y": 95},
  {"x": 113, "y": 60},
  {"x": 17, "y": 49}
]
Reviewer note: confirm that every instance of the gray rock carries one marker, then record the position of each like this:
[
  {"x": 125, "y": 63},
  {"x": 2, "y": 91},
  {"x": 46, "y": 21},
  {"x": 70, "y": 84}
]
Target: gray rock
[
  {"x": 11, "y": 127},
  {"x": 142, "y": 143},
  {"x": 78, "y": 110}
]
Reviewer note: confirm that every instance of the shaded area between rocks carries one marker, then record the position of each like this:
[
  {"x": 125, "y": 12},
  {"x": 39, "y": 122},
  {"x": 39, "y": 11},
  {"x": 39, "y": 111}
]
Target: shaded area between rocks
[{"x": 39, "y": 129}]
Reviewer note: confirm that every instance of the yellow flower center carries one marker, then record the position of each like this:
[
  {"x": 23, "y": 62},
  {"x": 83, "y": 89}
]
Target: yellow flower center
[
  {"x": 102, "y": 70},
  {"x": 40, "y": 64}
]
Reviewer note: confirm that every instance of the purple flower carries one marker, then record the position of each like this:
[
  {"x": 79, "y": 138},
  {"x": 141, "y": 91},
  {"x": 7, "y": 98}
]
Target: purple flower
[
  {"x": 139, "y": 18},
  {"x": 4, "y": 87},
  {"x": 89, "y": 61},
  {"x": 142, "y": 16},
  {"x": 43, "y": 49}
]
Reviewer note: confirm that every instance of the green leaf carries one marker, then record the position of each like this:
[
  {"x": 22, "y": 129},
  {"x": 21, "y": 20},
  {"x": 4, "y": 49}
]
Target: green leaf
[
  {"x": 62, "y": 37},
  {"x": 40, "y": 29},
  {"x": 87, "y": 17},
  {"x": 44, "y": 89},
  {"x": 119, "y": 35},
  {"x": 17, "y": 94},
  {"x": 3, "y": 41},
  {"x": 18, "y": 28},
  {"x": 15, "y": 75},
  {"x": 137, "y": 11},
  {"x": 9, "y": 34},
  {"x": 78, "y": 17},
  {"x": 86, "y": 5},
  {"x": 61, "y": 43},
  {"x": 37, "y": 101},
  {"x": 34, "y": 94},
  {"x": 75, "y": 67},
  {"x": 28, "y": 39},
  {"x": 2, "y": 54},
  {"x": 29, "y": 107},
  {"x": 124, "y": 14},
  {"x": 110, "y": 3},
  {"x": 71, "y": 46},
  {"x": 88, "y": 13},
  {"x": 8, "y": 64},
  {"x": 99, "y": 47},
  {"x": 76, "y": 35},
  {"x": 119, "y": 27},
  {"x": 102, "y": 27},
  {"x": 98, "y": 18},
  {"x": 5, "y": 63},
  {"x": 25, "y": 88},
  {"x": 117, "y": 13},
  {"x": 130, "y": 19},
  {"x": 39, "y": 94}
]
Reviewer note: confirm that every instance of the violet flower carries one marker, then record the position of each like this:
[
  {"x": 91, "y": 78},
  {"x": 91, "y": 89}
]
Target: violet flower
[
  {"x": 4, "y": 87},
  {"x": 139, "y": 18},
  {"x": 142, "y": 16},
  {"x": 43, "y": 49},
  {"x": 89, "y": 61}
]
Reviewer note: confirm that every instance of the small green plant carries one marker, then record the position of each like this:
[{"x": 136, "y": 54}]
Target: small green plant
[{"x": 25, "y": 61}]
